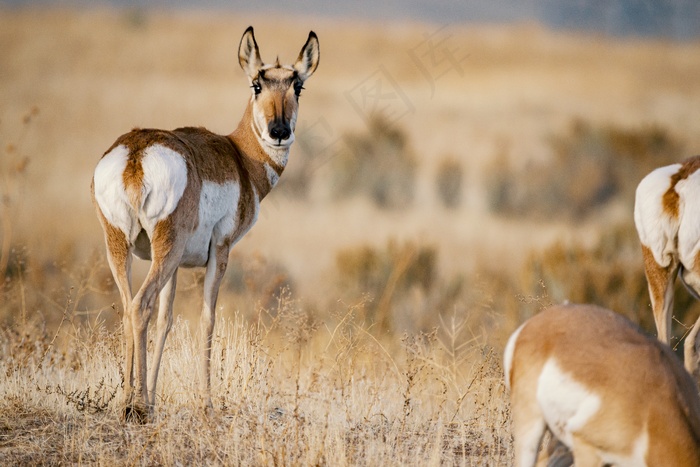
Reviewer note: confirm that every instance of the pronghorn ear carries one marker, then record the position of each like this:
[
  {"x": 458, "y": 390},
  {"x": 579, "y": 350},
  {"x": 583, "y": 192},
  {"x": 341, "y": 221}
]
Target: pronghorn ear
[
  {"x": 249, "y": 54},
  {"x": 308, "y": 57}
]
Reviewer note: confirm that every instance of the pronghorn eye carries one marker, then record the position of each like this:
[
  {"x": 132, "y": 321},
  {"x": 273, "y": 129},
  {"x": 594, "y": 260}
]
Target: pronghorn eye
[
  {"x": 256, "y": 87},
  {"x": 298, "y": 86}
]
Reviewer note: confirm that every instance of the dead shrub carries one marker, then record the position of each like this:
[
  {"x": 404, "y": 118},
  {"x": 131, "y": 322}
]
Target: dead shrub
[
  {"x": 378, "y": 163},
  {"x": 609, "y": 274},
  {"x": 386, "y": 275},
  {"x": 592, "y": 165},
  {"x": 448, "y": 182}
]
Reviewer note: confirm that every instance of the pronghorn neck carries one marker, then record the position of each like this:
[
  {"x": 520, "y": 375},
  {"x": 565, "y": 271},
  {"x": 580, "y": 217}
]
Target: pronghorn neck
[{"x": 259, "y": 155}]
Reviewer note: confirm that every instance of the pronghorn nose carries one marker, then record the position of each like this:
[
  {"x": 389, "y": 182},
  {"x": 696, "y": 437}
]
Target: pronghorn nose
[{"x": 279, "y": 130}]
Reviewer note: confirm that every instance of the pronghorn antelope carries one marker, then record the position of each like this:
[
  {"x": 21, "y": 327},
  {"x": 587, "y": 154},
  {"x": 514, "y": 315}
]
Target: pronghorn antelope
[
  {"x": 184, "y": 198},
  {"x": 668, "y": 223},
  {"x": 608, "y": 392}
]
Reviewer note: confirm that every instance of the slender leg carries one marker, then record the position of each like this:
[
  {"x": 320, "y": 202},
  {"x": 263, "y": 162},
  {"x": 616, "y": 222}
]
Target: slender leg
[
  {"x": 166, "y": 253},
  {"x": 164, "y": 323},
  {"x": 528, "y": 426},
  {"x": 660, "y": 280},
  {"x": 216, "y": 267},
  {"x": 692, "y": 351},
  {"x": 119, "y": 259},
  {"x": 691, "y": 357}
]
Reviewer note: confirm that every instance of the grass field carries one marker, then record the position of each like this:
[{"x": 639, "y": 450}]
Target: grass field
[{"x": 447, "y": 182}]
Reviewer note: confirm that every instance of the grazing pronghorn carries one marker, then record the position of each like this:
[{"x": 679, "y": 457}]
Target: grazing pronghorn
[
  {"x": 668, "y": 223},
  {"x": 608, "y": 392},
  {"x": 184, "y": 198}
]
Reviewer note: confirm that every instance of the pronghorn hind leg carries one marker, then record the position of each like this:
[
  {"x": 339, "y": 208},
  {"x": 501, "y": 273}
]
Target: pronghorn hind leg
[
  {"x": 166, "y": 252},
  {"x": 661, "y": 282},
  {"x": 529, "y": 428},
  {"x": 691, "y": 347},
  {"x": 691, "y": 351},
  {"x": 119, "y": 260},
  {"x": 216, "y": 267},
  {"x": 163, "y": 325}
]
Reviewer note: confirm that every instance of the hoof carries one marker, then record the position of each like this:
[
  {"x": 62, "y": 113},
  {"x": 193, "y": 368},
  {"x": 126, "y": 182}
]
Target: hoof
[{"x": 136, "y": 414}]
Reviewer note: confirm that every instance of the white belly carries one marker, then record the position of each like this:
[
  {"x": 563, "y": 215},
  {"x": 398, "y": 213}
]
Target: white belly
[{"x": 218, "y": 205}]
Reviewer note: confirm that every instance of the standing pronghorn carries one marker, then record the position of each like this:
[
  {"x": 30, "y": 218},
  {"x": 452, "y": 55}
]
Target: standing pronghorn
[
  {"x": 184, "y": 198},
  {"x": 668, "y": 222},
  {"x": 608, "y": 392}
]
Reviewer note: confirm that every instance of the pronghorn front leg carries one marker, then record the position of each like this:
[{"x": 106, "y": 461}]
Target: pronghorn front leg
[
  {"x": 216, "y": 267},
  {"x": 163, "y": 325},
  {"x": 661, "y": 287}
]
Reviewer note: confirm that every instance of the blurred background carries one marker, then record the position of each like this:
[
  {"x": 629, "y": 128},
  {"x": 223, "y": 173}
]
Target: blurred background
[{"x": 466, "y": 159}]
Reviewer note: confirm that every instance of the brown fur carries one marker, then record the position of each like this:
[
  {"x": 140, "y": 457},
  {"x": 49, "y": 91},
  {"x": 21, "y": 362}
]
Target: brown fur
[
  {"x": 211, "y": 157},
  {"x": 114, "y": 238},
  {"x": 611, "y": 357},
  {"x": 658, "y": 277},
  {"x": 237, "y": 158},
  {"x": 671, "y": 199}
]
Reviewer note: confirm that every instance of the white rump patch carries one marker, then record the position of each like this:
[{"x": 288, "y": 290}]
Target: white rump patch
[
  {"x": 656, "y": 229},
  {"x": 109, "y": 189},
  {"x": 164, "y": 181},
  {"x": 689, "y": 230},
  {"x": 567, "y": 404}
]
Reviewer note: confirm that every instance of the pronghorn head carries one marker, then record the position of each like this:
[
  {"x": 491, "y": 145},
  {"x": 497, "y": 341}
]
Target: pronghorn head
[{"x": 276, "y": 89}]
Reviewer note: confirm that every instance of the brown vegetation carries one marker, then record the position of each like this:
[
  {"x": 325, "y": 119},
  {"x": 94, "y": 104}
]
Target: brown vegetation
[
  {"x": 591, "y": 166},
  {"x": 362, "y": 319}
]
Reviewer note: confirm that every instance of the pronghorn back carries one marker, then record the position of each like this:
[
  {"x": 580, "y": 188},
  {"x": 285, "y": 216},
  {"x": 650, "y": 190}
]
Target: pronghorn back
[{"x": 603, "y": 388}]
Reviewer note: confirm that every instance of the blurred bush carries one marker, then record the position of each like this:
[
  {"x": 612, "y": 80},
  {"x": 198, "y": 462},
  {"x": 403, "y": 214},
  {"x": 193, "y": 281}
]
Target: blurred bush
[
  {"x": 608, "y": 274},
  {"x": 378, "y": 163},
  {"x": 591, "y": 166},
  {"x": 387, "y": 275},
  {"x": 255, "y": 281},
  {"x": 448, "y": 182}
]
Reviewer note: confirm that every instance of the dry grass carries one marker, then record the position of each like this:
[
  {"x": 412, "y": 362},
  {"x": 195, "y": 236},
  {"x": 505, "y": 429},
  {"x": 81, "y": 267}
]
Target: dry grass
[
  {"x": 286, "y": 390},
  {"x": 348, "y": 334}
]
